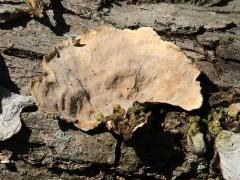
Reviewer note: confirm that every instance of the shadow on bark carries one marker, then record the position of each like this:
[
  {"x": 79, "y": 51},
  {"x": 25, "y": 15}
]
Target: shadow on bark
[
  {"x": 157, "y": 151},
  {"x": 19, "y": 145},
  {"x": 109, "y": 4},
  {"x": 20, "y": 20},
  {"x": 5, "y": 80},
  {"x": 61, "y": 27}
]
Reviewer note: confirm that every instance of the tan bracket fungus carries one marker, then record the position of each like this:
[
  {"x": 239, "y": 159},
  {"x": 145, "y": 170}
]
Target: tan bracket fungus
[{"x": 113, "y": 66}]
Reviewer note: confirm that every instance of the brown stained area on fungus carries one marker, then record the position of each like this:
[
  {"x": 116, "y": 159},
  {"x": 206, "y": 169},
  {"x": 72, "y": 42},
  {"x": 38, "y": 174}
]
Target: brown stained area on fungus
[{"x": 114, "y": 66}]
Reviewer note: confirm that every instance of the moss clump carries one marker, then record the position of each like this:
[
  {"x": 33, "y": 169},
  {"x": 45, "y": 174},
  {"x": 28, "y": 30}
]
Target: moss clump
[
  {"x": 193, "y": 29},
  {"x": 223, "y": 135},
  {"x": 193, "y": 119},
  {"x": 137, "y": 108},
  {"x": 195, "y": 139},
  {"x": 100, "y": 117},
  {"x": 118, "y": 110},
  {"x": 125, "y": 124},
  {"x": 217, "y": 115},
  {"x": 214, "y": 127},
  {"x": 136, "y": 112},
  {"x": 213, "y": 121},
  {"x": 194, "y": 129}
]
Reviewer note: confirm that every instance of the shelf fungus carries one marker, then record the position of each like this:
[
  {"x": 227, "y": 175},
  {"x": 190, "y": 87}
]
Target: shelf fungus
[
  {"x": 85, "y": 78},
  {"x": 11, "y": 105},
  {"x": 228, "y": 147}
]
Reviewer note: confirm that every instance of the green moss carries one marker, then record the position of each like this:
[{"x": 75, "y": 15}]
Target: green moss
[
  {"x": 183, "y": 115},
  {"x": 193, "y": 119},
  {"x": 177, "y": 122},
  {"x": 223, "y": 135},
  {"x": 213, "y": 121},
  {"x": 216, "y": 114},
  {"x": 193, "y": 29},
  {"x": 209, "y": 117},
  {"x": 100, "y": 117},
  {"x": 195, "y": 139},
  {"x": 137, "y": 108},
  {"x": 115, "y": 117},
  {"x": 118, "y": 110},
  {"x": 124, "y": 123},
  {"x": 193, "y": 129},
  {"x": 214, "y": 127}
]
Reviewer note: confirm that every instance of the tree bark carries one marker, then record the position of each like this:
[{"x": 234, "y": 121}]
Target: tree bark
[{"x": 47, "y": 148}]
